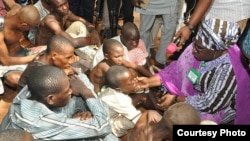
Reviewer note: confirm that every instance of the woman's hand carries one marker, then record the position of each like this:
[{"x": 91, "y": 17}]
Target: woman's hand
[{"x": 142, "y": 82}]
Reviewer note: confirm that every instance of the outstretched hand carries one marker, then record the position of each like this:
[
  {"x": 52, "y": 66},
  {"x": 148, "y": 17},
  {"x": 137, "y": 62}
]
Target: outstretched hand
[{"x": 142, "y": 82}]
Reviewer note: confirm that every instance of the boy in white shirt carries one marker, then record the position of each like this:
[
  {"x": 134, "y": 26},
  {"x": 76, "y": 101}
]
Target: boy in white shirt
[{"x": 123, "y": 115}]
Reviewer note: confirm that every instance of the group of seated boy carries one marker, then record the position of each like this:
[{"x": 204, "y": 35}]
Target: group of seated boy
[{"x": 73, "y": 87}]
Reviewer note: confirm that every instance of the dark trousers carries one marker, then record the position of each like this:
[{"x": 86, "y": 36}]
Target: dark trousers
[
  {"x": 127, "y": 10},
  {"x": 114, "y": 9},
  {"x": 83, "y": 8}
]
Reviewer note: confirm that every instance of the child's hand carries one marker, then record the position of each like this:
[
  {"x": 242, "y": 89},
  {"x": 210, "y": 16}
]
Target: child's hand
[
  {"x": 165, "y": 101},
  {"x": 94, "y": 38},
  {"x": 83, "y": 115},
  {"x": 79, "y": 88},
  {"x": 69, "y": 71},
  {"x": 74, "y": 59}
]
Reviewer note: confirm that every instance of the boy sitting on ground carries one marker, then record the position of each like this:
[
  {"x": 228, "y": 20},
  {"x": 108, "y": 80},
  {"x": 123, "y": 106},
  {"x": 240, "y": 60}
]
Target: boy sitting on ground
[
  {"x": 120, "y": 82},
  {"x": 113, "y": 55}
]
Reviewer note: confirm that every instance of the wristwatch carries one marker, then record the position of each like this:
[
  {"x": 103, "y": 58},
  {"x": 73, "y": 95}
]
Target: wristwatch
[{"x": 190, "y": 27}]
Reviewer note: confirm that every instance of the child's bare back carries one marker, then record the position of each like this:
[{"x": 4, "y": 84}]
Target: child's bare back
[{"x": 97, "y": 75}]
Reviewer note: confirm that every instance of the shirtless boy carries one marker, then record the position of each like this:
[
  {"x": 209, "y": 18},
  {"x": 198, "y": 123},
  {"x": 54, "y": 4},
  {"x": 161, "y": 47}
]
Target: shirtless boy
[
  {"x": 113, "y": 55},
  {"x": 17, "y": 20},
  {"x": 58, "y": 21}
]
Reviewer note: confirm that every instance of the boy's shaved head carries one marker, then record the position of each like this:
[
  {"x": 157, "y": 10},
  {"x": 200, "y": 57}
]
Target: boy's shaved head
[
  {"x": 29, "y": 15},
  {"x": 57, "y": 43},
  {"x": 109, "y": 44},
  {"x": 45, "y": 80},
  {"x": 128, "y": 28},
  {"x": 182, "y": 113},
  {"x": 113, "y": 75}
]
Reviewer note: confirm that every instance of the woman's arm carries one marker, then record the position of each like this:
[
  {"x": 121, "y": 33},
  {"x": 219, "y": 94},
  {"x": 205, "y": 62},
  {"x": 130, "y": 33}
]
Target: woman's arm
[
  {"x": 147, "y": 82},
  {"x": 199, "y": 12}
]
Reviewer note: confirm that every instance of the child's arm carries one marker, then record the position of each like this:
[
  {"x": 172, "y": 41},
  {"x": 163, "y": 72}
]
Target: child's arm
[
  {"x": 143, "y": 71},
  {"x": 147, "y": 82},
  {"x": 11, "y": 4},
  {"x": 97, "y": 76},
  {"x": 138, "y": 68}
]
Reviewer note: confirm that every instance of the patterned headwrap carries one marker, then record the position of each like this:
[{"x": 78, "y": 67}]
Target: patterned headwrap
[{"x": 216, "y": 34}]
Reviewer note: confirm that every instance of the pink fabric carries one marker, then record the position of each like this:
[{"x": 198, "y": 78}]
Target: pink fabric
[
  {"x": 139, "y": 54},
  {"x": 171, "y": 48},
  {"x": 216, "y": 117},
  {"x": 174, "y": 75},
  {"x": 175, "y": 80},
  {"x": 243, "y": 87},
  {"x": 2, "y": 9}
]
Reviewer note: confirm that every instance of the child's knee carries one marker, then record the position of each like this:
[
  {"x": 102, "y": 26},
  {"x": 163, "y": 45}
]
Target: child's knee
[{"x": 12, "y": 78}]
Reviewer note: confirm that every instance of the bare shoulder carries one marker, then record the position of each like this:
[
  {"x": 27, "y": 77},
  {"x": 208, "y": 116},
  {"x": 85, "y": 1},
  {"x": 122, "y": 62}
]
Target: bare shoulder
[
  {"x": 49, "y": 18},
  {"x": 100, "y": 69},
  {"x": 1, "y": 35},
  {"x": 51, "y": 23},
  {"x": 2, "y": 42},
  {"x": 13, "y": 11}
]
